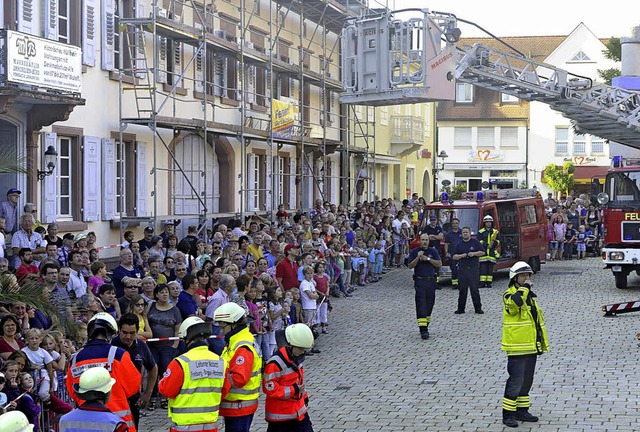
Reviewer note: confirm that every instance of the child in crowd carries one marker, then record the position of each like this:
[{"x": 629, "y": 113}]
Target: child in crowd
[
  {"x": 107, "y": 301},
  {"x": 581, "y": 242},
  {"x": 28, "y": 403},
  {"x": 249, "y": 299},
  {"x": 405, "y": 239},
  {"x": 321, "y": 280},
  {"x": 278, "y": 309},
  {"x": 296, "y": 307},
  {"x": 288, "y": 299},
  {"x": 9, "y": 389},
  {"x": 308, "y": 296},
  {"x": 42, "y": 363},
  {"x": 204, "y": 252},
  {"x": 262, "y": 304},
  {"x": 99, "y": 271}
]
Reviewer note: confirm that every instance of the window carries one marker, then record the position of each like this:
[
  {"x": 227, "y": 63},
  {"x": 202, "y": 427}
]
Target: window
[
  {"x": 508, "y": 137},
  {"x": 462, "y": 137},
  {"x": 597, "y": 145},
  {"x": 508, "y": 99},
  {"x": 464, "y": 93},
  {"x": 486, "y": 136},
  {"x": 579, "y": 144},
  {"x": 65, "y": 177},
  {"x": 562, "y": 141},
  {"x": 580, "y": 57},
  {"x": 63, "y": 21},
  {"x": 530, "y": 215},
  {"x": 121, "y": 177}
]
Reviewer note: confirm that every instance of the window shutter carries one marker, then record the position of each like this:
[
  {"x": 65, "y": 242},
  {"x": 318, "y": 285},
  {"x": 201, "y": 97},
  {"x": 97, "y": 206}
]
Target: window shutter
[
  {"x": 250, "y": 182},
  {"x": 250, "y": 91},
  {"x": 219, "y": 84},
  {"x": 141, "y": 178},
  {"x": 292, "y": 182},
  {"x": 51, "y": 19},
  {"x": 91, "y": 186},
  {"x": 108, "y": 178},
  {"x": 50, "y": 183},
  {"x": 89, "y": 32},
  {"x": 161, "y": 72},
  {"x": 141, "y": 64},
  {"x": 108, "y": 33},
  {"x": 278, "y": 175},
  {"x": 199, "y": 72},
  {"x": 269, "y": 185},
  {"x": 25, "y": 16},
  {"x": 177, "y": 63}
]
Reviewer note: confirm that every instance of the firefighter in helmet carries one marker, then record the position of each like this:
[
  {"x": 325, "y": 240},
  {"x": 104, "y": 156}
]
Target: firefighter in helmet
[
  {"x": 524, "y": 338},
  {"x": 489, "y": 238},
  {"x": 194, "y": 381},
  {"x": 15, "y": 421},
  {"x": 284, "y": 385}
]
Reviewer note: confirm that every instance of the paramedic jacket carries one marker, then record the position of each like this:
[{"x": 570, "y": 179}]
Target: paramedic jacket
[{"x": 99, "y": 353}]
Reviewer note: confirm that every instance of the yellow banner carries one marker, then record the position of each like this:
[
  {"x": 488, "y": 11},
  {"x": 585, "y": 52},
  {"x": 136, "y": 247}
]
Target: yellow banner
[{"x": 282, "y": 119}]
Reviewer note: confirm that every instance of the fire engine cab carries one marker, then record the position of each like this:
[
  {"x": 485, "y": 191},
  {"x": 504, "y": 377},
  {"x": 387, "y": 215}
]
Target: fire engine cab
[
  {"x": 518, "y": 215},
  {"x": 620, "y": 203}
]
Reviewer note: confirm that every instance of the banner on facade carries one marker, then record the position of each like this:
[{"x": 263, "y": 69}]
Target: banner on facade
[
  {"x": 283, "y": 116},
  {"x": 43, "y": 63}
]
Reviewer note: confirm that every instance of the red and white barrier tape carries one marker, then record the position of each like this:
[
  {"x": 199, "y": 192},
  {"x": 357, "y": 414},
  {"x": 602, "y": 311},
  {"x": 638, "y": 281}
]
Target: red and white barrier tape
[{"x": 174, "y": 338}]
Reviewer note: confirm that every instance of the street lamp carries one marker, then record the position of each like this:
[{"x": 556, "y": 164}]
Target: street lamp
[
  {"x": 49, "y": 163},
  {"x": 439, "y": 166},
  {"x": 535, "y": 171}
]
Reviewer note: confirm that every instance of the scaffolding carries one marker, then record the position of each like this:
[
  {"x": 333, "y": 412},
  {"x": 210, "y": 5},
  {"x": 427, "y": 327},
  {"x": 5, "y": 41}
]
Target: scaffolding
[{"x": 214, "y": 72}]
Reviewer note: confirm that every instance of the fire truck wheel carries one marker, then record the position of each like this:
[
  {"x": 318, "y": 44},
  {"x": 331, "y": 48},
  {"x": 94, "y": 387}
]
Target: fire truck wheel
[
  {"x": 534, "y": 263},
  {"x": 621, "y": 280}
]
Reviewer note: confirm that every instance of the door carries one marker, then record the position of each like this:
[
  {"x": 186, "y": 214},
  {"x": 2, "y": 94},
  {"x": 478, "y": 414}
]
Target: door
[
  {"x": 9, "y": 148},
  {"x": 533, "y": 230},
  {"x": 200, "y": 168}
]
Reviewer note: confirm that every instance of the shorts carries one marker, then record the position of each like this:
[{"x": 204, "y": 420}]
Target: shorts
[{"x": 582, "y": 247}]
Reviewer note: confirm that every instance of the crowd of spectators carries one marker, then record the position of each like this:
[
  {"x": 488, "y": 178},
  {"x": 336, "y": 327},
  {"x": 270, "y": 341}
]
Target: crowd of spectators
[{"x": 282, "y": 272}]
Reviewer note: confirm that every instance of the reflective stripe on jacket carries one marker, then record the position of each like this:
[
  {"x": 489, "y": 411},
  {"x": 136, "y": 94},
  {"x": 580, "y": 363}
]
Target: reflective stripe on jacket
[
  {"x": 521, "y": 332},
  {"x": 485, "y": 237},
  {"x": 243, "y": 400},
  {"x": 281, "y": 381},
  {"x": 199, "y": 398},
  {"x": 80, "y": 420}
]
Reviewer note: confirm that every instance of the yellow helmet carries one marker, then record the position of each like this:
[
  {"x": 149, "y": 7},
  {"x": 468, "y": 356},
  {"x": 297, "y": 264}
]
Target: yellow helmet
[
  {"x": 15, "y": 421},
  {"x": 194, "y": 326},
  {"x": 229, "y": 312},
  {"x": 96, "y": 379},
  {"x": 299, "y": 335}
]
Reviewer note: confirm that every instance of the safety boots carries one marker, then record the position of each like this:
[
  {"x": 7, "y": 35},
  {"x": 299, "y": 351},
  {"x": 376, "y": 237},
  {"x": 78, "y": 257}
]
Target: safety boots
[
  {"x": 509, "y": 418},
  {"x": 424, "y": 332},
  {"x": 524, "y": 415}
]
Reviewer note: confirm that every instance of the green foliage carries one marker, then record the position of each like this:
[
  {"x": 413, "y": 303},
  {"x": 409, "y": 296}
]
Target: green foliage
[
  {"x": 608, "y": 74},
  {"x": 559, "y": 178},
  {"x": 613, "y": 52},
  {"x": 455, "y": 192}
]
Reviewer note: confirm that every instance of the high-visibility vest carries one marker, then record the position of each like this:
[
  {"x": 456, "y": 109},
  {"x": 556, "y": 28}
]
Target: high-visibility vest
[
  {"x": 485, "y": 237},
  {"x": 244, "y": 400},
  {"x": 521, "y": 332},
  {"x": 280, "y": 375},
  {"x": 80, "y": 420},
  {"x": 199, "y": 398}
]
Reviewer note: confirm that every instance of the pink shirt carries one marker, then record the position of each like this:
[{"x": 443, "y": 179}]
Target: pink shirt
[{"x": 95, "y": 283}]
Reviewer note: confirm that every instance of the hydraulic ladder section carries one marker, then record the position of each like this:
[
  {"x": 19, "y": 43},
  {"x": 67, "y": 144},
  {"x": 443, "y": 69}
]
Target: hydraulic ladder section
[{"x": 608, "y": 112}]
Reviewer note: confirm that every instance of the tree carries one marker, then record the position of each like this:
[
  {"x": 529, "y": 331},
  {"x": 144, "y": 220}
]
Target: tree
[
  {"x": 559, "y": 178},
  {"x": 613, "y": 52}
]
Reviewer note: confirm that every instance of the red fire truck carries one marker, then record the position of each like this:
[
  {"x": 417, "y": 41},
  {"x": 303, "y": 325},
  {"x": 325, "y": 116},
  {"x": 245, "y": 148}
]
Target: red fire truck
[
  {"x": 518, "y": 215},
  {"x": 620, "y": 202}
]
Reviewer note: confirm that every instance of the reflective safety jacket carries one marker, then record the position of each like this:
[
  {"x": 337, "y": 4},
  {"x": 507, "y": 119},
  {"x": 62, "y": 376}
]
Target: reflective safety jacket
[
  {"x": 244, "y": 375},
  {"x": 281, "y": 383},
  {"x": 98, "y": 353},
  {"x": 92, "y": 417},
  {"x": 194, "y": 383},
  {"x": 523, "y": 330},
  {"x": 485, "y": 237}
]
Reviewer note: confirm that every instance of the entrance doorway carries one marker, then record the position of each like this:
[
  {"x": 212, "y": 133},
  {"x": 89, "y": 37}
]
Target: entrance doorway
[{"x": 9, "y": 146}]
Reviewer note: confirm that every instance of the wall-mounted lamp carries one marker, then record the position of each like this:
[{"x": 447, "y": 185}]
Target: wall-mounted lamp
[{"x": 50, "y": 158}]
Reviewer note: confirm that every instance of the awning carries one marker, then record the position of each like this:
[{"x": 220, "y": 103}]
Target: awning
[
  {"x": 383, "y": 160},
  {"x": 584, "y": 174},
  {"x": 484, "y": 166}
]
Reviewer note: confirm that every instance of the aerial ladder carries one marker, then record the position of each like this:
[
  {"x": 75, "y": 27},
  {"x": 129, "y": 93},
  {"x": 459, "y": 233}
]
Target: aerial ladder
[{"x": 387, "y": 60}]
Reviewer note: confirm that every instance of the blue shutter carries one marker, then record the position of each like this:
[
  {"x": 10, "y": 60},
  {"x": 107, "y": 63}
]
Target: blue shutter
[
  {"x": 50, "y": 183},
  {"x": 141, "y": 178},
  {"x": 51, "y": 19},
  {"x": 91, "y": 187},
  {"x": 108, "y": 178},
  {"x": 108, "y": 33},
  {"x": 25, "y": 14},
  {"x": 89, "y": 23},
  {"x": 292, "y": 182}
]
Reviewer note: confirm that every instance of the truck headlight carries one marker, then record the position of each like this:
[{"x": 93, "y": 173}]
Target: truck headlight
[{"x": 616, "y": 256}]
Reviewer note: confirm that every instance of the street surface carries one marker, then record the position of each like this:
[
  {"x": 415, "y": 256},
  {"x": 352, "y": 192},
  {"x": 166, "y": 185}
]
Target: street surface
[{"x": 376, "y": 374}]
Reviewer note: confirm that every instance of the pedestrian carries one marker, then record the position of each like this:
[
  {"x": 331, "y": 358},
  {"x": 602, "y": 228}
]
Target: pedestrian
[
  {"x": 451, "y": 239},
  {"x": 524, "y": 338},
  {"x": 283, "y": 383},
  {"x": 425, "y": 260},
  {"x": 466, "y": 254},
  {"x": 194, "y": 381},
  {"x": 489, "y": 238},
  {"x": 15, "y": 421},
  {"x": 244, "y": 368},
  {"x": 94, "y": 388},
  {"x": 99, "y": 353}
]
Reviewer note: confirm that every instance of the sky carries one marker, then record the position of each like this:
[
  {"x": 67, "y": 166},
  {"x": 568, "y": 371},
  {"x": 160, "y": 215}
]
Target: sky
[{"x": 535, "y": 18}]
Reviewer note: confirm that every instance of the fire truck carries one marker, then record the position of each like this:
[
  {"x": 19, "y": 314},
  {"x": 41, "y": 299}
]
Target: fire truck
[
  {"x": 518, "y": 215},
  {"x": 620, "y": 203}
]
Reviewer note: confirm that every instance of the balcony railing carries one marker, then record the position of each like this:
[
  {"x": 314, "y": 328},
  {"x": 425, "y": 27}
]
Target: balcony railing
[{"x": 407, "y": 129}]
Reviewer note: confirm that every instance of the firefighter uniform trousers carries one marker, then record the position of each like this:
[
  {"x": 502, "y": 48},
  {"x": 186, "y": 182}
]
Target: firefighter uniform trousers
[
  {"x": 468, "y": 281},
  {"x": 454, "y": 274},
  {"x": 521, "y": 370},
  {"x": 425, "y": 287},
  {"x": 488, "y": 260}
]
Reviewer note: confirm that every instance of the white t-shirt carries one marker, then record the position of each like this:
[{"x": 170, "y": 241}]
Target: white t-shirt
[
  {"x": 40, "y": 358},
  {"x": 3, "y": 245},
  {"x": 306, "y": 287}
]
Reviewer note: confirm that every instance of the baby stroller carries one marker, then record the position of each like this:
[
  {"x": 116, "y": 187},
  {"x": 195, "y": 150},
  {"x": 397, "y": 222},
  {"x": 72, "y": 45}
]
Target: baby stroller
[{"x": 592, "y": 244}]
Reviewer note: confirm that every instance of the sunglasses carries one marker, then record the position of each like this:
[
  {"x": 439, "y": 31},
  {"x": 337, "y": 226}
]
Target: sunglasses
[{"x": 140, "y": 304}]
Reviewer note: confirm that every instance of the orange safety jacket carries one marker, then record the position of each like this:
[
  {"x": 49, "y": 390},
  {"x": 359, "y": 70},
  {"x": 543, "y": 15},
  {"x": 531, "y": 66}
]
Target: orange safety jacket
[
  {"x": 281, "y": 383},
  {"x": 98, "y": 353}
]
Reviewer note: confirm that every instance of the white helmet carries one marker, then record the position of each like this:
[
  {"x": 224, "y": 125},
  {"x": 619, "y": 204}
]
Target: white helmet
[
  {"x": 487, "y": 218},
  {"x": 96, "y": 379},
  {"x": 518, "y": 268},
  {"x": 229, "y": 312},
  {"x": 15, "y": 421},
  {"x": 299, "y": 335},
  {"x": 194, "y": 326},
  {"x": 102, "y": 320}
]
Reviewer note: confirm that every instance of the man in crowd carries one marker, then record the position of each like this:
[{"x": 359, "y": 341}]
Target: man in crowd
[
  {"x": 146, "y": 243},
  {"x": 26, "y": 271},
  {"x": 66, "y": 249},
  {"x": 169, "y": 229},
  {"x": 124, "y": 269},
  {"x": 131, "y": 288},
  {"x": 227, "y": 285},
  {"x": 141, "y": 356},
  {"x": 186, "y": 303},
  {"x": 26, "y": 238},
  {"x": 273, "y": 253},
  {"x": 425, "y": 260},
  {"x": 51, "y": 251},
  {"x": 255, "y": 248},
  {"x": 287, "y": 269},
  {"x": 466, "y": 253},
  {"x": 64, "y": 276},
  {"x": 77, "y": 283},
  {"x": 154, "y": 265},
  {"x": 9, "y": 211}
]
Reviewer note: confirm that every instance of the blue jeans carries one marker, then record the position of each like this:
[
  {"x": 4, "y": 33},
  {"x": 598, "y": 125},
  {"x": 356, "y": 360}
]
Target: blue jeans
[
  {"x": 163, "y": 356},
  {"x": 238, "y": 424}
]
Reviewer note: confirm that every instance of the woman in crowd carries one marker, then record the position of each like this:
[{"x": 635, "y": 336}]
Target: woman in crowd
[
  {"x": 138, "y": 307},
  {"x": 107, "y": 301},
  {"x": 169, "y": 268},
  {"x": 148, "y": 286},
  {"x": 9, "y": 326}
]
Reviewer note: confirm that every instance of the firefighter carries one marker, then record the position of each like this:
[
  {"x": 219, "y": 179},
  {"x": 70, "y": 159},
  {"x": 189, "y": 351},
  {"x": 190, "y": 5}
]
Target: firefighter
[
  {"x": 15, "y": 421},
  {"x": 451, "y": 239},
  {"x": 244, "y": 371},
  {"x": 466, "y": 254},
  {"x": 283, "y": 383},
  {"x": 94, "y": 388},
  {"x": 194, "y": 381},
  {"x": 99, "y": 353},
  {"x": 425, "y": 261},
  {"x": 490, "y": 240},
  {"x": 524, "y": 338}
]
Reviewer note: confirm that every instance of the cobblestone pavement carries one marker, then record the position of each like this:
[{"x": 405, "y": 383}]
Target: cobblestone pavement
[{"x": 375, "y": 373}]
